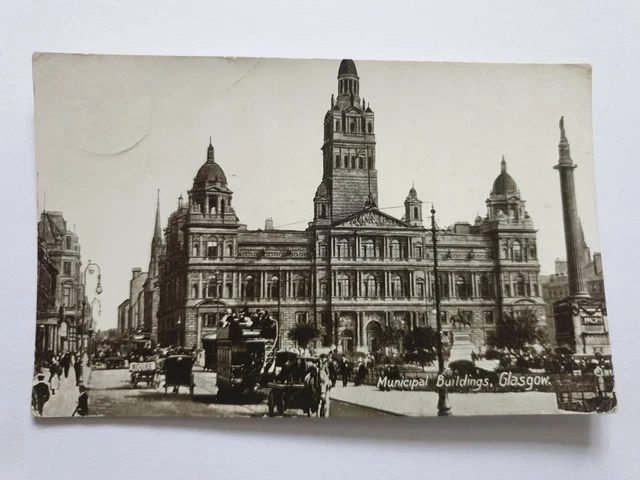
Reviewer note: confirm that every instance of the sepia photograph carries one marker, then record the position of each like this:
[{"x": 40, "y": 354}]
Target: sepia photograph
[{"x": 258, "y": 237}]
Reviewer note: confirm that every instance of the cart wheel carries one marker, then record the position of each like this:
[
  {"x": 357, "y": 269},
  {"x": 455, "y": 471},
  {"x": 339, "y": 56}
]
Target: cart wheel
[{"x": 271, "y": 404}]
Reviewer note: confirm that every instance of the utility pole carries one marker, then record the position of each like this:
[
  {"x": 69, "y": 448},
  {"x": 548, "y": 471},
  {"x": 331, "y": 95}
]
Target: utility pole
[{"x": 444, "y": 409}]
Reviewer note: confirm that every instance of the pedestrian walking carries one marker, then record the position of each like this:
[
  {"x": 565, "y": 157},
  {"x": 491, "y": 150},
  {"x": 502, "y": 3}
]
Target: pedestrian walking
[
  {"x": 345, "y": 370},
  {"x": 65, "y": 362},
  {"x": 86, "y": 369},
  {"x": 82, "y": 408},
  {"x": 39, "y": 395},
  {"x": 77, "y": 368},
  {"x": 54, "y": 377}
]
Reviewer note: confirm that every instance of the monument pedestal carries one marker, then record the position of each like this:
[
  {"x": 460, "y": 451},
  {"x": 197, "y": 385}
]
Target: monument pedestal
[
  {"x": 582, "y": 326},
  {"x": 461, "y": 347}
]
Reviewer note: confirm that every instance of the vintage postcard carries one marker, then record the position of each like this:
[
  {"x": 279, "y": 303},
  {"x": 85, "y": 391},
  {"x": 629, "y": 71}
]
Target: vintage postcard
[{"x": 250, "y": 237}]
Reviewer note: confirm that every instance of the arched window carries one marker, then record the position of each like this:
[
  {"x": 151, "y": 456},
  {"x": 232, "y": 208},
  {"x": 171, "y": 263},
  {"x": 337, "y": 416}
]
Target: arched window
[
  {"x": 520, "y": 286},
  {"x": 532, "y": 252},
  {"x": 507, "y": 290},
  {"x": 323, "y": 211},
  {"x": 212, "y": 249},
  {"x": 346, "y": 161},
  {"x": 370, "y": 127},
  {"x": 396, "y": 286},
  {"x": 248, "y": 287},
  {"x": 516, "y": 251},
  {"x": 370, "y": 163},
  {"x": 196, "y": 249},
  {"x": 273, "y": 287},
  {"x": 343, "y": 286},
  {"x": 415, "y": 213},
  {"x": 353, "y": 162},
  {"x": 230, "y": 250},
  {"x": 485, "y": 291},
  {"x": 370, "y": 285},
  {"x": 194, "y": 290},
  {"x": 337, "y": 161},
  {"x": 222, "y": 205},
  {"x": 338, "y": 126},
  {"x": 394, "y": 249},
  {"x": 367, "y": 248},
  {"x": 462, "y": 287},
  {"x": 360, "y": 163},
  {"x": 213, "y": 286},
  {"x": 342, "y": 248},
  {"x": 443, "y": 283},
  {"x": 535, "y": 289}
]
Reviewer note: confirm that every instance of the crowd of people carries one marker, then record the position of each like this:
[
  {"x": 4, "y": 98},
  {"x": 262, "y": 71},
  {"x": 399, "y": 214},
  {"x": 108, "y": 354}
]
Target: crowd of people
[
  {"x": 49, "y": 375},
  {"x": 261, "y": 321}
]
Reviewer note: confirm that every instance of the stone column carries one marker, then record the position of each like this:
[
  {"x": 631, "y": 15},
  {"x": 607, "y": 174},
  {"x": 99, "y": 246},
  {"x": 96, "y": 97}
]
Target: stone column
[{"x": 575, "y": 270}]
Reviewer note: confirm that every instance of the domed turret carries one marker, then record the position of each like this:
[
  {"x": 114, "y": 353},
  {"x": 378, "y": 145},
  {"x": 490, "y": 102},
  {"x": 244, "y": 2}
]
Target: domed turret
[
  {"x": 210, "y": 172},
  {"x": 347, "y": 67},
  {"x": 504, "y": 184},
  {"x": 413, "y": 208},
  {"x": 210, "y": 195},
  {"x": 504, "y": 202}
]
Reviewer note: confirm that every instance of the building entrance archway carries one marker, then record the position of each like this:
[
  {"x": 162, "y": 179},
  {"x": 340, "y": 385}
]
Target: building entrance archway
[
  {"x": 346, "y": 341},
  {"x": 373, "y": 331}
]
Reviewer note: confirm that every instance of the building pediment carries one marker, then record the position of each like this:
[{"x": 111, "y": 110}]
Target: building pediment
[{"x": 371, "y": 218}]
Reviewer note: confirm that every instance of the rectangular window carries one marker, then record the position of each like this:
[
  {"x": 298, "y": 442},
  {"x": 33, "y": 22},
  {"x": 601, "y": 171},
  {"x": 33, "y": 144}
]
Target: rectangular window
[
  {"x": 68, "y": 243},
  {"x": 66, "y": 296},
  {"x": 488, "y": 318},
  {"x": 212, "y": 249},
  {"x": 66, "y": 268},
  {"x": 301, "y": 317},
  {"x": 210, "y": 320},
  {"x": 323, "y": 289},
  {"x": 322, "y": 251}
]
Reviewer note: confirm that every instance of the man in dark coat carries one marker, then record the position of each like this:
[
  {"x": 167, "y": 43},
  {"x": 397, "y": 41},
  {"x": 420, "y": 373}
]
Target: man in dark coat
[
  {"x": 77, "y": 367},
  {"x": 83, "y": 403},
  {"x": 65, "y": 362},
  {"x": 39, "y": 395},
  {"x": 345, "y": 370}
]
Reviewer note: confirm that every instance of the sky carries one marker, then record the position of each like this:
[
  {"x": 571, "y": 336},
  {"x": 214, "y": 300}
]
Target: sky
[{"x": 113, "y": 130}]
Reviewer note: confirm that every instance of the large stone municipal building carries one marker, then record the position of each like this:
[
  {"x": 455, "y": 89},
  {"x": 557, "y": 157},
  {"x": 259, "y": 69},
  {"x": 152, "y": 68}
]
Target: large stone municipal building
[{"x": 355, "y": 269}]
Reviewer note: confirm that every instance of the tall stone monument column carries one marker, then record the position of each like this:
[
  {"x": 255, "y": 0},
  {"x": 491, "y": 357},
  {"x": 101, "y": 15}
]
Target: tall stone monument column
[{"x": 580, "y": 323}]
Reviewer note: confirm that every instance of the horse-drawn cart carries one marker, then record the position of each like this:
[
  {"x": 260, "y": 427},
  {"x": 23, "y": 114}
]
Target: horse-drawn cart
[
  {"x": 144, "y": 372},
  {"x": 178, "y": 372},
  {"x": 302, "y": 383},
  {"x": 283, "y": 396},
  {"x": 114, "y": 362}
]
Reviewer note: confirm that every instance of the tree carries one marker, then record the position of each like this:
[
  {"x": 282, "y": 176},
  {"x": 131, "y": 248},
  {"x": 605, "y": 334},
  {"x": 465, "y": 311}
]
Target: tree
[
  {"x": 390, "y": 337},
  {"x": 515, "y": 335},
  {"x": 420, "y": 345},
  {"x": 303, "y": 333}
]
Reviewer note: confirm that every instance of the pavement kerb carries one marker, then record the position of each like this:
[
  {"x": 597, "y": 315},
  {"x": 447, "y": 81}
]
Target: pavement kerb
[{"x": 360, "y": 405}]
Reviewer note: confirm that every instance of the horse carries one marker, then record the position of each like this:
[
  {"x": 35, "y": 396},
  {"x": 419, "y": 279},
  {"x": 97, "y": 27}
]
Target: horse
[{"x": 317, "y": 383}]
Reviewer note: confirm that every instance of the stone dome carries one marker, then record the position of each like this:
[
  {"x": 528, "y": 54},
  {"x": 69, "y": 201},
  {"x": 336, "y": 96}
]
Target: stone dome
[
  {"x": 321, "y": 191},
  {"x": 504, "y": 184},
  {"x": 210, "y": 171},
  {"x": 347, "y": 67}
]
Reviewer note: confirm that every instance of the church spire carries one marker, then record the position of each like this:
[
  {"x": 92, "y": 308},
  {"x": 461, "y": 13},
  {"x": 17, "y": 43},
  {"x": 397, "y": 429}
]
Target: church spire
[{"x": 157, "y": 232}]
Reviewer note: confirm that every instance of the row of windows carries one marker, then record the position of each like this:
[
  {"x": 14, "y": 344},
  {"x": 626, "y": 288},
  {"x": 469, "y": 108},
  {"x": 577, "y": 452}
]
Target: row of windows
[
  {"x": 516, "y": 252},
  {"x": 372, "y": 287},
  {"x": 354, "y": 162},
  {"x": 211, "y": 249},
  {"x": 370, "y": 248},
  {"x": 522, "y": 288}
]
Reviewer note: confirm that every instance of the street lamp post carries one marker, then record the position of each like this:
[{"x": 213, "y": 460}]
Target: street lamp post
[
  {"x": 443, "y": 397},
  {"x": 91, "y": 332},
  {"x": 276, "y": 278},
  {"x": 91, "y": 268}
]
